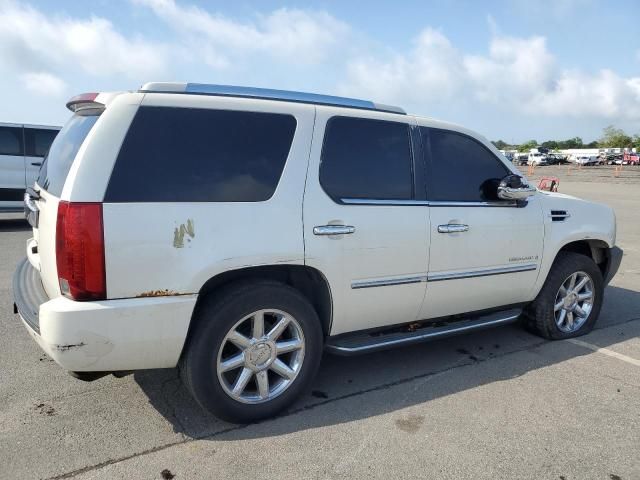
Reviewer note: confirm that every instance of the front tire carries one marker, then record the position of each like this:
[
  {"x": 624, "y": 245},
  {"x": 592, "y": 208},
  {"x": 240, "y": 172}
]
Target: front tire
[
  {"x": 569, "y": 302},
  {"x": 254, "y": 349}
]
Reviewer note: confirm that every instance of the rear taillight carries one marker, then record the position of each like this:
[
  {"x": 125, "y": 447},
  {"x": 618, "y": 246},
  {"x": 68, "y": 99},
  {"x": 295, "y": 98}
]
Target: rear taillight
[{"x": 80, "y": 251}]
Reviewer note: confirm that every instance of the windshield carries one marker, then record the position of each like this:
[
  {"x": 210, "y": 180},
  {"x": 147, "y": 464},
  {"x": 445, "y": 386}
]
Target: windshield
[{"x": 63, "y": 150}]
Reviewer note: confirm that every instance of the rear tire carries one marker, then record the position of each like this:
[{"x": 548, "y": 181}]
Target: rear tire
[
  {"x": 569, "y": 302},
  {"x": 241, "y": 374}
]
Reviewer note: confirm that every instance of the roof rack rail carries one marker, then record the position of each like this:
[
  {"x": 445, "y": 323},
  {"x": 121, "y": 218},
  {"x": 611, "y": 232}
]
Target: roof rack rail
[{"x": 266, "y": 93}]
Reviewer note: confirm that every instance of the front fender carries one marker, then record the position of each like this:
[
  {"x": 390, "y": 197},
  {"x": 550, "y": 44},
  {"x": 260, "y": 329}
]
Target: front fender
[{"x": 589, "y": 222}]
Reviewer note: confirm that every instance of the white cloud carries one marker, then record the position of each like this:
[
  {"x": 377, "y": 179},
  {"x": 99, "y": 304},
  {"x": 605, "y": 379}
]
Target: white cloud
[
  {"x": 43, "y": 83},
  {"x": 516, "y": 77},
  {"x": 32, "y": 41},
  {"x": 513, "y": 69},
  {"x": 290, "y": 34},
  {"x": 604, "y": 94},
  {"x": 431, "y": 71},
  {"x": 516, "y": 73}
]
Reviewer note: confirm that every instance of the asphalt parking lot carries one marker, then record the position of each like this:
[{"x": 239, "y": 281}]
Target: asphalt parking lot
[{"x": 497, "y": 404}]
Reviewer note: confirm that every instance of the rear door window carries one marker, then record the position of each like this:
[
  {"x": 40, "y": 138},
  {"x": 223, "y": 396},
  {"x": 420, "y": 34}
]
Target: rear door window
[
  {"x": 200, "y": 155},
  {"x": 461, "y": 169},
  {"x": 38, "y": 141},
  {"x": 63, "y": 150},
  {"x": 366, "y": 159},
  {"x": 11, "y": 141}
]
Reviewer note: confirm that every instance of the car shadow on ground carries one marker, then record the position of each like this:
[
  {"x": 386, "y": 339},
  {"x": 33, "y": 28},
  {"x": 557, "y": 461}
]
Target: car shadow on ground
[
  {"x": 466, "y": 361},
  {"x": 14, "y": 225}
]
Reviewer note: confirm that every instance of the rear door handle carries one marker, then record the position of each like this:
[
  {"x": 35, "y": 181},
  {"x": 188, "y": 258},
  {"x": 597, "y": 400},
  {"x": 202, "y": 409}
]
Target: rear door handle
[
  {"x": 333, "y": 230},
  {"x": 452, "y": 228},
  {"x": 36, "y": 164}
]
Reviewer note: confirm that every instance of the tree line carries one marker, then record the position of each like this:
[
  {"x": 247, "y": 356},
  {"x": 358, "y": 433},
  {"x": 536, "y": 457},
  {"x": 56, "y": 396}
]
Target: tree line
[{"x": 612, "y": 137}]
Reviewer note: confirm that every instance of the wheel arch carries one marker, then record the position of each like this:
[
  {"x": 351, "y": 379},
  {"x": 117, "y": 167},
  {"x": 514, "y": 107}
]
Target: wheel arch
[
  {"x": 307, "y": 280},
  {"x": 597, "y": 250}
]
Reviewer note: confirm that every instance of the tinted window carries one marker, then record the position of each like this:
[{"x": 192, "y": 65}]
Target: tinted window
[
  {"x": 38, "y": 140},
  {"x": 198, "y": 155},
  {"x": 11, "y": 141},
  {"x": 363, "y": 158},
  {"x": 63, "y": 150},
  {"x": 461, "y": 168}
]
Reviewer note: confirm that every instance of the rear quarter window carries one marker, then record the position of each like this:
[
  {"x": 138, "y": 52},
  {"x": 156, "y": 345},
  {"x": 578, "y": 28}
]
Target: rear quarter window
[
  {"x": 63, "y": 150},
  {"x": 200, "y": 155}
]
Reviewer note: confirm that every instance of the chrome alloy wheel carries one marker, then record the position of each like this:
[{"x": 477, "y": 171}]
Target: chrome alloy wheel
[
  {"x": 260, "y": 356},
  {"x": 574, "y": 302}
]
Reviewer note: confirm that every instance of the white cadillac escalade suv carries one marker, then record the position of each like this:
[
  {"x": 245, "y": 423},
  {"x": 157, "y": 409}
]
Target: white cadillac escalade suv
[{"x": 238, "y": 232}]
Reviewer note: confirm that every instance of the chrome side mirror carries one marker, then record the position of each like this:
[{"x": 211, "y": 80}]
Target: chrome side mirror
[{"x": 514, "y": 187}]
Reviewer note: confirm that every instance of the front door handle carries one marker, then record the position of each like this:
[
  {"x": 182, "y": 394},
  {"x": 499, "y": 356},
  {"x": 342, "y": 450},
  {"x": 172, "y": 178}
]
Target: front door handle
[
  {"x": 333, "y": 230},
  {"x": 452, "y": 228}
]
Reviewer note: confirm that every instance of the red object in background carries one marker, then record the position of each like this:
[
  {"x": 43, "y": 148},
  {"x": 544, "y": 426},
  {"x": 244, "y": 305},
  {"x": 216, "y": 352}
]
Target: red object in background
[
  {"x": 631, "y": 158},
  {"x": 549, "y": 183}
]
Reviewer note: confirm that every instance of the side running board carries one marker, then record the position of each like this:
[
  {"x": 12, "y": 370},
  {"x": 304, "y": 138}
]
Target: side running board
[{"x": 370, "y": 341}]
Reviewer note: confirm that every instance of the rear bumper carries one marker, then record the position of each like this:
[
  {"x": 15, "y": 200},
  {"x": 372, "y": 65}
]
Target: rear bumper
[
  {"x": 28, "y": 294},
  {"x": 110, "y": 335},
  {"x": 615, "y": 258}
]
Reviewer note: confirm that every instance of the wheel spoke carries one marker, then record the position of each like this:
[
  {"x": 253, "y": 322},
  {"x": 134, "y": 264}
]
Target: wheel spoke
[
  {"x": 570, "y": 320},
  {"x": 288, "y": 346},
  {"x": 572, "y": 281},
  {"x": 563, "y": 315},
  {"x": 578, "y": 311},
  {"x": 581, "y": 284},
  {"x": 263, "y": 383},
  {"x": 563, "y": 291},
  {"x": 558, "y": 306},
  {"x": 242, "y": 381},
  {"x": 278, "y": 329},
  {"x": 250, "y": 352},
  {"x": 232, "y": 363},
  {"x": 282, "y": 369},
  {"x": 258, "y": 325},
  {"x": 585, "y": 296},
  {"x": 239, "y": 340}
]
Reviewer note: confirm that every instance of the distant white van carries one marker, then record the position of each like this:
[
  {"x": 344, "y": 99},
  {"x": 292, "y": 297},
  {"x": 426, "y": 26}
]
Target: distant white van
[{"x": 22, "y": 150}]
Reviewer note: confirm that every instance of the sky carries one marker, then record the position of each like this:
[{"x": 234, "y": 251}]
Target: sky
[{"x": 514, "y": 70}]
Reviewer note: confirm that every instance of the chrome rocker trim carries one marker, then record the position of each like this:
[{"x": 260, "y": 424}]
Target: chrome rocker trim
[
  {"x": 439, "y": 277},
  {"x": 358, "y": 342}
]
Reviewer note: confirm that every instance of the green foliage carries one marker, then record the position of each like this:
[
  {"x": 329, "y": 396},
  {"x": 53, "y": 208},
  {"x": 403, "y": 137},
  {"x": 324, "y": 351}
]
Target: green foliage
[
  {"x": 611, "y": 138},
  {"x": 615, "y": 137},
  {"x": 501, "y": 145},
  {"x": 525, "y": 147},
  {"x": 575, "y": 142}
]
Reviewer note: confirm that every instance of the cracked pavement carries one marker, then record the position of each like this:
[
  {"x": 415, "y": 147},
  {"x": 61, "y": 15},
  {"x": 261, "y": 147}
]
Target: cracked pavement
[{"x": 499, "y": 403}]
